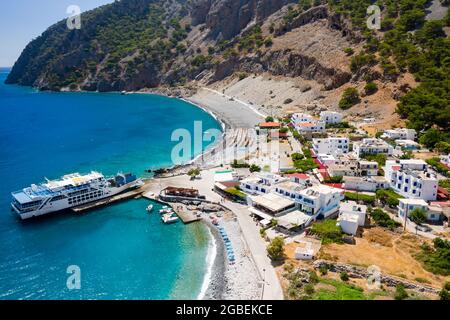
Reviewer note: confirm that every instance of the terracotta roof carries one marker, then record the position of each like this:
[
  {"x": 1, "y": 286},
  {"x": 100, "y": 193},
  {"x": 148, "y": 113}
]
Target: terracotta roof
[
  {"x": 269, "y": 124},
  {"x": 302, "y": 176},
  {"x": 278, "y": 134}
]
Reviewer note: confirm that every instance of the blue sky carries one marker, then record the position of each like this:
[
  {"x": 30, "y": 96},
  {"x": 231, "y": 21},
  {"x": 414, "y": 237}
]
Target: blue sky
[{"x": 23, "y": 20}]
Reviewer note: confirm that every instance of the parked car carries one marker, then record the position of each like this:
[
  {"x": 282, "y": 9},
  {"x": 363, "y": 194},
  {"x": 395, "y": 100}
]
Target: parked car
[{"x": 423, "y": 228}]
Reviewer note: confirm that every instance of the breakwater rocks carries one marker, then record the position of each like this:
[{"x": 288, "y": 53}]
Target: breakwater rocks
[{"x": 360, "y": 272}]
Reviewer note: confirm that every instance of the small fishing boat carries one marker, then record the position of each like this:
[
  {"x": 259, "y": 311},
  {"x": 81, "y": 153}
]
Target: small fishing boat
[
  {"x": 169, "y": 218},
  {"x": 166, "y": 210},
  {"x": 149, "y": 208}
]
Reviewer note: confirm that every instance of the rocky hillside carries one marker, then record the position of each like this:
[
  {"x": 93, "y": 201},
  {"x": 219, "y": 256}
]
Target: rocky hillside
[
  {"x": 134, "y": 44},
  {"x": 320, "y": 52}
]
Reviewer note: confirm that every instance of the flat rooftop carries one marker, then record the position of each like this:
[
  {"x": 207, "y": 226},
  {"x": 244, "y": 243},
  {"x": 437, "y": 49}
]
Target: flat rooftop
[{"x": 272, "y": 201}]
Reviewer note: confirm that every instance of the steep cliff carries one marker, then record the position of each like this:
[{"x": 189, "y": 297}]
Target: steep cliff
[{"x": 135, "y": 44}]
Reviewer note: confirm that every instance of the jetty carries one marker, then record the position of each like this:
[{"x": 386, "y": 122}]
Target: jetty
[
  {"x": 106, "y": 201},
  {"x": 180, "y": 209}
]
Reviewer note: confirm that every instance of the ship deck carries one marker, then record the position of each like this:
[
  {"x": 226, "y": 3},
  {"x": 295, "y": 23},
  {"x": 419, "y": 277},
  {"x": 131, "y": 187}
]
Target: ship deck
[{"x": 106, "y": 201}]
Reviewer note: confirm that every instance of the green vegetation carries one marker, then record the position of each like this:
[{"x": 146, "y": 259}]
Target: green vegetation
[
  {"x": 445, "y": 183},
  {"x": 367, "y": 199},
  {"x": 349, "y": 98},
  {"x": 305, "y": 165},
  {"x": 436, "y": 259},
  {"x": 349, "y": 51},
  {"x": 304, "y": 162},
  {"x": 380, "y": 158},
  {"x": 239, "y": 164},
  {"x": 235, "y": 192},
  {"x": 438, "y": 166},
  {"x": 336, "y": 179},
  {"x": 444, "y": 294},
  {"x": 275, "y": 249},
  {"x": 269, "y": 119},
  {"x": 344, "y": 276},
  {"x": 388, "y": 196},
  {"x": 341, "y": 291},
  {"x": 382, "y": 219},
  {"x": 418, "y": 216},
  {"x": 340, "y": 125},
  {"x": 400, "y": 292},
  {"x": 328, "y": 231},
  {"x": 193, "y": 173},
  {"x": 370, "y": 88},
  {"x": 255, "y": 168},
  {"x": 360, "y": 60}
]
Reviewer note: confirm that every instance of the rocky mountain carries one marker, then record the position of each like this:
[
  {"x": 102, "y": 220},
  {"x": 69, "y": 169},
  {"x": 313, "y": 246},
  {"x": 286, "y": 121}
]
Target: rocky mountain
[{"x": 134, "y": 44}]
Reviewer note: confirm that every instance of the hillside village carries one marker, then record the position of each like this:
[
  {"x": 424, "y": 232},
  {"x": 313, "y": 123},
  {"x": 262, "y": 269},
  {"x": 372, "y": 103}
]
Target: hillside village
[{"x": 338, "y": 199}]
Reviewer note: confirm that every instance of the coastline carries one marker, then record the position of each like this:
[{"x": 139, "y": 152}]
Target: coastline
[
  {"x": 220, "y": 276},
  {"x": 225, "y": 281}
]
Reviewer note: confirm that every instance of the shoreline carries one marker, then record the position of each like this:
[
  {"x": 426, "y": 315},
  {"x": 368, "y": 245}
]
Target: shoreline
[{"x": 216, "y": 281}]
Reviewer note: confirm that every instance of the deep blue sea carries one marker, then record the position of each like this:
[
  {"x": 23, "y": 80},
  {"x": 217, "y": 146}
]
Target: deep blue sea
[{"x": 122, "y": 252}]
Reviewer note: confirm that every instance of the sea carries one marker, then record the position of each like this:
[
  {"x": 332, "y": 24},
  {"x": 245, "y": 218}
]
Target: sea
[{"x": 115, "y": 252}]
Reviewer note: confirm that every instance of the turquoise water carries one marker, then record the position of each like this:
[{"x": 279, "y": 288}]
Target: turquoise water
[{"x": 122, "y": 252}]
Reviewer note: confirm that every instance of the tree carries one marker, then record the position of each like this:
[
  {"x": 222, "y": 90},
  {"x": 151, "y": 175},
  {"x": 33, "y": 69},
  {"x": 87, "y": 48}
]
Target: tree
[
  {"x": 370, "y": 88},
  {"x": 400, "y": 292},
  {"x": 444, "y": 294},
  {"x": 418, "y": 216},
  {"x": 255, "y": 168},
  {"x": 275, "y": 249},
  {"x": 344, "y": 276},
  {"x": 430, "y": 138},
  {"x": 349, "y": 98},
  {"x": 269, "y": 119},
  {"x": 194, "y": 172}
]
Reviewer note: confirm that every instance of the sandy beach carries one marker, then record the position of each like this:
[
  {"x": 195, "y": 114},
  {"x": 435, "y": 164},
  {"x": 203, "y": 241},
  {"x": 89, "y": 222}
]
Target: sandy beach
[
  {"x": 233, "y": 112},
  {"x": 242, "y": 279}
]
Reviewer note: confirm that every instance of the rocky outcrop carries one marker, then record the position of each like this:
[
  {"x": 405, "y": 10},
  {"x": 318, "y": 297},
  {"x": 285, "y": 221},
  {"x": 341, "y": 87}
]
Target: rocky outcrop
[
  {"x": 311, "y": 15},
  {"x": 286, "y": 63},
  {"x": 359, "y": 272},
  {"x": 227, "y": 18},
  {"x": 338, "y": 22}
]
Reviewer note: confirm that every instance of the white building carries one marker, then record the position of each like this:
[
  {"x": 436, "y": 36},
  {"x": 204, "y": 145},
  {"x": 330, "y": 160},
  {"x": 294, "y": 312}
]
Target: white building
[
  {"x": 348, "y": 223},
  {"x": 331, "y": 145},
  {"x": 289, "y": 189},
  {"x": 260, "y": 182},
  {"x": 411, "y": 178},
  {"x": 301, "y": 117},
  {"x": 406, "y": 144},
  {"x": 355, "y": 209},
  {"x": 368, "y": 184},
  {"x": 330, "y": 117},
  {"x": 445, "y": 160},
  {"x": 400, "y": 133},
  {"x": 320, "y": 200},
  {"x": 304, "y": 251},
  {"x": 372, "y": 146},
  {"x": 406, "y": 206},
  {"x": 303, "y": 179},
  {"x": 310, "y": 127},
  {"x": 367, "y": 168},
  {"x": 326, "y": 159}
]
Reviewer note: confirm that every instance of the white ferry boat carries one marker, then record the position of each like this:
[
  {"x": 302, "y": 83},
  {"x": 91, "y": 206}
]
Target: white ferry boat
[{"x": 69, "y": 191}]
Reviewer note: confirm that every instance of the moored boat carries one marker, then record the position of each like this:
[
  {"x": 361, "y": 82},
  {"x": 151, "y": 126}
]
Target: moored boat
[
  {"x": 169, "y": 218},
  {"x": 69, "y": 191}
]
